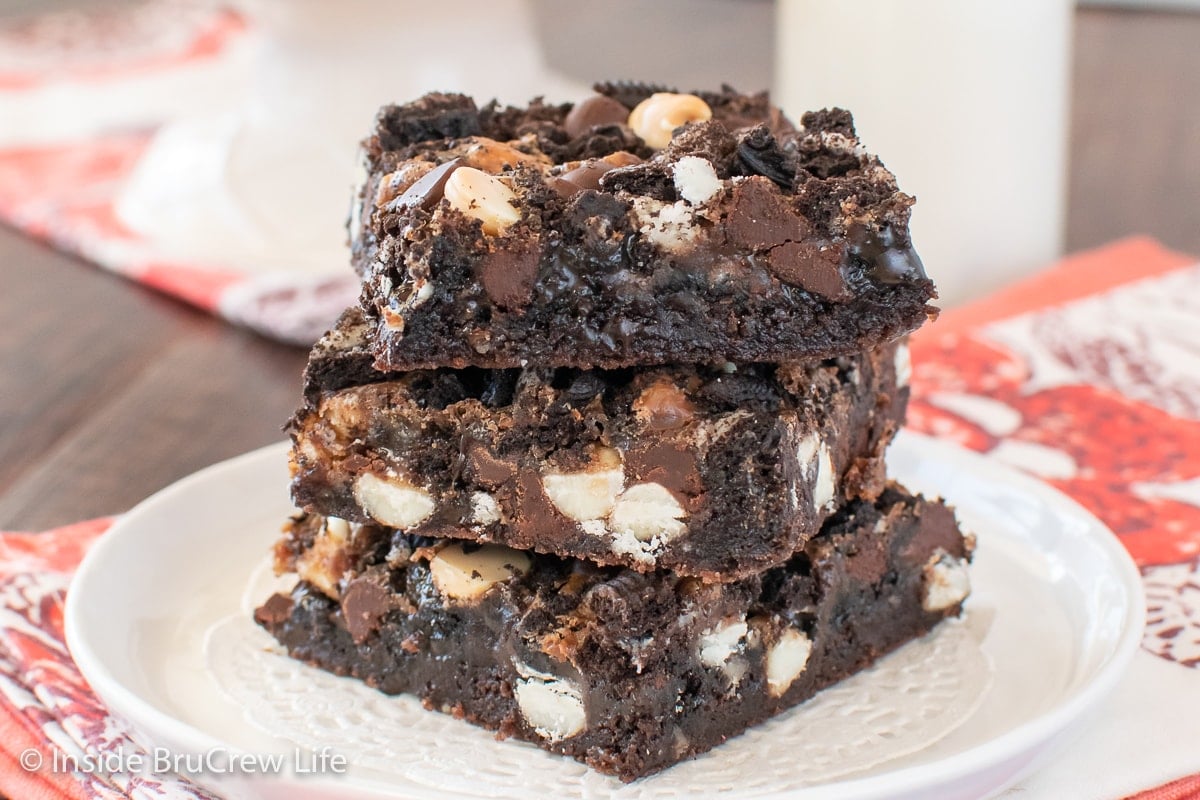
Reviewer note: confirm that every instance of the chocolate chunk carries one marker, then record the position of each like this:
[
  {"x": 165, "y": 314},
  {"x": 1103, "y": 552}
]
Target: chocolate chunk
[
  {"x": 427, "y": 190},
  {"x": 813, "y": 266},
  {"x": 366, "y": 599},
  {"x": 758, "y": 153},
  {"x": 594, "y": 111},
  {"x": 488, "y": 470},
  {"x": 433, "y": 116},
  {"x": 276, "y": 610},
  {"x": 937, "y": 532},
  {"x": 761, "y": 218},
  {"x": 868, "y": 563},
  {"x": 889, "y": 260},
  {"x": 565, "y": 189},
  {"x": 509, "y": 272},
  {"x": 587, "y": 175},
  {"x": 672, "y": 465}
]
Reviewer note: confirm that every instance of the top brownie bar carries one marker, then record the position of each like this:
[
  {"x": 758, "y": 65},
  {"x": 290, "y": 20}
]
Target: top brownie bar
[{"x": 638, "y": 227}]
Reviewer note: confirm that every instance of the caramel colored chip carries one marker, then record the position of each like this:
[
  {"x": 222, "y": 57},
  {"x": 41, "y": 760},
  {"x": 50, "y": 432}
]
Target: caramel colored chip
[{"x": 656, "y": 118}]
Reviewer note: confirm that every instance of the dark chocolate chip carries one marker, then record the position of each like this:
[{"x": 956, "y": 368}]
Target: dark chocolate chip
[
  {"x": 565, "y": 189},
  {"x": 366, "y": 599},
  {"x": 587, "y": 175},
  {"x": 275, "y": 611},
  {"x": 889, "y": 259},
  {"x": 428, "y": 189},
  {"x": 813, "y": 266},
  {"x": 488, "y": 470},
  {"x": 761, "y": 218},
  {"x": 672, "y": 465},
  {"x": 594, "y": 111},
  {"x": 509, "y": 272}
]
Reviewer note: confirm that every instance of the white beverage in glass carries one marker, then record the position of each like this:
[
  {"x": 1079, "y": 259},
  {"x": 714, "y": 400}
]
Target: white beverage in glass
[{"x": 965, "y": 101}]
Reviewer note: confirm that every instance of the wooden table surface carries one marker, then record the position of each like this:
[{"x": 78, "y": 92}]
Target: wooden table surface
[{"x": 109, "y": 391}]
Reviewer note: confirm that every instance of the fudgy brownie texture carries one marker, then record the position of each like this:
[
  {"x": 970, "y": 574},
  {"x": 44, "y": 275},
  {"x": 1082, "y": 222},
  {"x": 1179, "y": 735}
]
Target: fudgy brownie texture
[
  {"x": 639, "y": 226},
  {"x": 627, "y": 672},
  {"x": 716, "y": 472}
]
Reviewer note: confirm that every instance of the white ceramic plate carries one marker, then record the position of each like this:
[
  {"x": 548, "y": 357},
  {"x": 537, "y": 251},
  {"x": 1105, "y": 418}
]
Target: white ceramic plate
[{"x": 1054, "y": 618}]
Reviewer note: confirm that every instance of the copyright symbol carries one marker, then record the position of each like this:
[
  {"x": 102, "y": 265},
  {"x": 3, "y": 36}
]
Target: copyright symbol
[{"x": 31, "y": 759}]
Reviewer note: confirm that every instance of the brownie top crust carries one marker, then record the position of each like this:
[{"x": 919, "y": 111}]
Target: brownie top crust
[{"x": 637, "y": 226}]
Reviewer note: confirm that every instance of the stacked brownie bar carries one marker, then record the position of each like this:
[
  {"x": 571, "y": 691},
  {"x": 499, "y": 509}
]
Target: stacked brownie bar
[{"x": 599, "y": 461}]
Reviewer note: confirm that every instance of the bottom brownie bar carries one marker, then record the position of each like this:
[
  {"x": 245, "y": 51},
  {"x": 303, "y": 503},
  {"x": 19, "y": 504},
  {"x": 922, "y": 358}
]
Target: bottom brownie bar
[{"x": 627, "y": 672}]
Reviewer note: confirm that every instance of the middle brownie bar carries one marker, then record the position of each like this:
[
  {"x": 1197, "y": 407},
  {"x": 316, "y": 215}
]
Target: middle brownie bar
[{"x": 716, "y": 472}]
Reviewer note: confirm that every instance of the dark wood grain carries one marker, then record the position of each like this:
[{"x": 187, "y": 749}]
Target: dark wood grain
[{"x": 109, "y": 392}]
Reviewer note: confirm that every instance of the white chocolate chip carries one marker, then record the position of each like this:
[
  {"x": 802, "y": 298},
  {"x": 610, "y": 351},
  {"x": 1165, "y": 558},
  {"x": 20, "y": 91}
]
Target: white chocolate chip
[
  {"x": 484, "y": 509},
  {"x": 424, "y": 292},
  {"x": 669, "y": 226},
  {"x": 946, "y": 582},
  {"x": 649, "y": 512},
  {"x": 718, "y": 645},
  {"x": 696, "y": 180},
  {"x": 656, "y": 118},
  {"x": 824, "y": 490},
  {"x": 483, "y": 197},
  {"x": 590, "y": 494},
  {"x": 337, "y": 529},
  {"x": 551, "y": 705},
  {"x": 786, "y": 659},
  {"x": 594, "y": 527},
  {"x": 462, "y": 574},
  {"x": 817, "y": 462},
  {"x": 392, "y": 501},
  {"x": 903, "y": 362}
]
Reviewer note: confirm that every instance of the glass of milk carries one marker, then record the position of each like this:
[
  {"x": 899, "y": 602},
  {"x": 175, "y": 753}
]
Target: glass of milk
[{"x": 965, "y": 101}]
